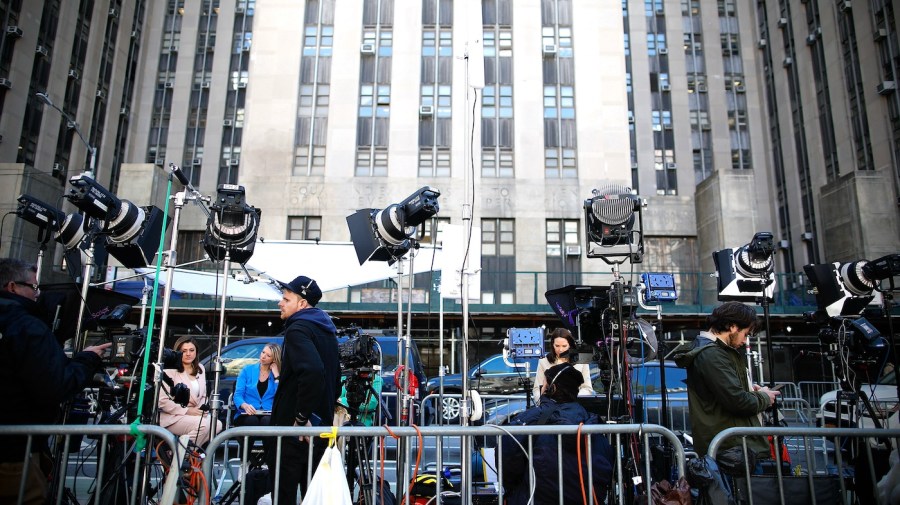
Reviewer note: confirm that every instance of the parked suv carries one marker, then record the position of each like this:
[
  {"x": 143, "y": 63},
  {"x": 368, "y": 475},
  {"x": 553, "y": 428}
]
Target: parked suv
[{"x": 237, "y": 355}]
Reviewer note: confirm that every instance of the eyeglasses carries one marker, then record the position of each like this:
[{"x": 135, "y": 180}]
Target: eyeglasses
[{"x": 28, "y": 284}]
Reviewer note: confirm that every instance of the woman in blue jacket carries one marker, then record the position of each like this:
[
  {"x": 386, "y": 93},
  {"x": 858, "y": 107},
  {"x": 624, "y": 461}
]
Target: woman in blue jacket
[{"x": 255, "y": 388}]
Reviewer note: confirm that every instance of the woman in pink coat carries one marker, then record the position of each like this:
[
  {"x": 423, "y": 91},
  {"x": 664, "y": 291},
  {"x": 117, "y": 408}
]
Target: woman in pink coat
[{"x": 189, "y": 420}]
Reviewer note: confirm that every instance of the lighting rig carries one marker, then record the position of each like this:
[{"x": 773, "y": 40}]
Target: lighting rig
[
  {"x": 387, "y": 235},
  {"x": 843, "y": 291}
]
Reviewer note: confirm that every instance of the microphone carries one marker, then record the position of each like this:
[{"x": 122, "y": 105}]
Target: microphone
[{"x": 180, "y": 175}]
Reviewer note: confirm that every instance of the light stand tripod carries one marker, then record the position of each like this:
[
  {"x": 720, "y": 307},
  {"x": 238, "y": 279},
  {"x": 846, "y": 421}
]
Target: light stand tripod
[{"x": 358, "y": 449}]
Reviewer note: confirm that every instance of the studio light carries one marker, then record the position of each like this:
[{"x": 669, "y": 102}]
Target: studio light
[
  {"x": 132, "y": 232},
  {"x": 387, "y": 234},
  {"x": 748, "y": 272},
  {"x": 39, "y": 213},
  {"x": 844, "y": 289},
  {"x": 232, "y": 225},
  {"x": 612, "y": 219}
]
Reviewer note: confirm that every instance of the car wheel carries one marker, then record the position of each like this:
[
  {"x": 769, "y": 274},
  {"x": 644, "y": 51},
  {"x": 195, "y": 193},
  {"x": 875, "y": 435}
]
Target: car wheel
[{"x": 450, "y": 410}]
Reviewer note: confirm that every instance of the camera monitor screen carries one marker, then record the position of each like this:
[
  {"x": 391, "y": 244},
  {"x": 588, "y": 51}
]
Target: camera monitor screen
[{"x": 62, "y": 302}]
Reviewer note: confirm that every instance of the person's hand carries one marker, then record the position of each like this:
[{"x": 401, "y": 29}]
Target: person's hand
[
  {"x": 304, "y": 438},
  {"x": 273, "y": 368},
  {"x": 771, "y": 393},
  {"x": 248, "y": 409},
  {"x": 100, "y": 350},
  {"x": 194, "y": 411}
]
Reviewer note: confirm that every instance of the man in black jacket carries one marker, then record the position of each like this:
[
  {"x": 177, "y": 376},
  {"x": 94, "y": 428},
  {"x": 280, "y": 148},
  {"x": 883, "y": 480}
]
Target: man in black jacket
[
  {"x": 36, "y": 377},
  {"x": 308, "y": 387}
]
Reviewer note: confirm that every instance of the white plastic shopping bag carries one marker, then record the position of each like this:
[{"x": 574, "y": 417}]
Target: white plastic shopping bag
[{"x": 329, "y": 483}]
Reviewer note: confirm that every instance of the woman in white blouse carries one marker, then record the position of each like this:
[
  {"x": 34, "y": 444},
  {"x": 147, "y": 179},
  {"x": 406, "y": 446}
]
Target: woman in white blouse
[
  {"x": 189, "y": 420},
  {"x": 562, "y": 351}
]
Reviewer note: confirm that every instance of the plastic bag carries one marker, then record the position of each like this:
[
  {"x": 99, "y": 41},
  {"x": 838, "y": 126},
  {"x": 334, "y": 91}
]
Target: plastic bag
[{"x": 329, "y": 484}]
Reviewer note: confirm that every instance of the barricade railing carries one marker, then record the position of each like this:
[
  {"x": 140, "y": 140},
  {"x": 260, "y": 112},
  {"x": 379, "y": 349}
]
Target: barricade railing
[
  {"x": 812, "y": 391},
  {"x": 826, "y": 465},
  {"x": 437, "y": 448},
  {"x": 96, "y": 462}
]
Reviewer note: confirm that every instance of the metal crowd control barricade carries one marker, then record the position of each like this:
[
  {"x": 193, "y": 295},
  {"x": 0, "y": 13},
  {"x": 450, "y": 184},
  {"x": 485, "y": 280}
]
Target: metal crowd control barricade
[
  {"x": 88, "y": 471},
  {"x": 809, "y": 478},
  {"x": 431, "y": 404},
  {"x": 439, "y": 446}
]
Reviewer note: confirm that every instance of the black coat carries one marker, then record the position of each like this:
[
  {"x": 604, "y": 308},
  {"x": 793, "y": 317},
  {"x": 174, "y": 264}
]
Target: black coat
[
  {"x": 310, "y": 380},
  {"x": 546, "y": 458},
  {"x": 36, "y": 376}
]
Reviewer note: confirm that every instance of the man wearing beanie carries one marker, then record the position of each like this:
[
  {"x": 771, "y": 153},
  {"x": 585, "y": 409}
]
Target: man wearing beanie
[
  {"x": 309, "y": 384},
  {"x": 558, "y": 407}
]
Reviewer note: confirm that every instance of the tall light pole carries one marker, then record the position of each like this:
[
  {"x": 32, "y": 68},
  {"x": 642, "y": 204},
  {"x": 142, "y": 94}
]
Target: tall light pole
[{"x": 71, "y": 123}]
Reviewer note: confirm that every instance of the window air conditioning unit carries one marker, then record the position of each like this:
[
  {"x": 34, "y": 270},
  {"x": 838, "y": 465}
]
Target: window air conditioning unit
[
  {"x": 740, "y": 88},
  {"x": 634, "y": 165},
  {"x": 196, "y": 161},
  {"x": 204, "y": 84},
  {"x": 123, "y": 111},
  {"x": 169, "y": 84},
  {"x": 660, "y": 12},
  {"x": 667, "y": 126},
  {"x": 73, "y": 74},
  {"x": 426, "y": 110},
  {"x": 238, "y": 10},
  {"x": 573, "y": 250},
  {"x": 173, "y": 49},
  {"x": 844, "y": 6},
  {"x": 788, "y": 61},
  {"x": 41, "y": 50},
  {"x": 705, "y": 126},
  {"x": 761, "y": 44},
  {"x": 663, "y": 50},
  {"x": 14, "y": 31},
  {"x": 631, "y": 119},
  {"x": 367, "y": 48},
  {"x": 234, "y": 161},
  {"x": 58, "y": 170},
  {"x": 671, "y": 166},
  {"x": 665, "y": 87},
  {"x": 113, "y": 12},
  {"x": 101, "y": 94},
  {"x": 549, "y": 48},
  {"x": 159, "y": 161},
  {"x": 886, "y": 87},
  {"x": 227, "y": 122},
  {"x": 880, "y": 34},
  {"x": 702, "y": 88},
  {"x": 782, "y": 22},
  {"x": 242, "y": 85},
  {"x": 811, "y": 39},
  {"x": 210, "y": 48}
]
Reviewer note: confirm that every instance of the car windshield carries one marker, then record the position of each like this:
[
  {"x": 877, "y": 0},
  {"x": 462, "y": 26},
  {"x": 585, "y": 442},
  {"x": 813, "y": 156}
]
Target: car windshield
[
  {"x": 496, "y": 365},
  {"x": 646, "y": 380}
]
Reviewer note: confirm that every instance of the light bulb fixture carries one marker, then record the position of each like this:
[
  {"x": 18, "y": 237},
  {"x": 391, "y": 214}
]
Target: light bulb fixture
[
  {"x": 747, "y": 273},
  {"x": 387, "y": 234},
  {"x": 232, "y": 225},
  {"x": 612, "y": 220},
  {"x": 844, "y": 289}
]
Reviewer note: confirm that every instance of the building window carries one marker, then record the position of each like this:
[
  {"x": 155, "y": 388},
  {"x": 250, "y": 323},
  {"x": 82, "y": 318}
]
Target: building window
[
  {"x": 373, "y": 122},
  {"x": 498, "y": 261},
  {"x": 315, "y": 89},
  {"x": 304, "y": 228},
  {"x": 560, "y": 161},
  {"x": 435, "y": 98},
  {"x": 563, "y": 239}
]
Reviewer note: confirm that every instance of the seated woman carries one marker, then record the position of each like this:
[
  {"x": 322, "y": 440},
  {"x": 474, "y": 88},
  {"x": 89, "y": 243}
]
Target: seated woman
[
  {"x": 255, "y": 388},
  {"x": 189, "y": 420},
  {"x": 562, "y": 351}
]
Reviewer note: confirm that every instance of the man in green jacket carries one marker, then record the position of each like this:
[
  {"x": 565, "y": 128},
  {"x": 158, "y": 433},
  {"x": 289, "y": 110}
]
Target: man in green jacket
[{"x": 719, "y": 392}]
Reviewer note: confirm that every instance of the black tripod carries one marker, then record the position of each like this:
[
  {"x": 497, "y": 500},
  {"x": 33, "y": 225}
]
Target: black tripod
[
  {"x": 359, "y": 449},
  {"x": 255, "y": 461}
]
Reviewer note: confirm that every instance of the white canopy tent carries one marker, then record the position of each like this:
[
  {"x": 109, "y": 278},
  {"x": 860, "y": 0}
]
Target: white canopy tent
[{"x": 334, "y": 265}]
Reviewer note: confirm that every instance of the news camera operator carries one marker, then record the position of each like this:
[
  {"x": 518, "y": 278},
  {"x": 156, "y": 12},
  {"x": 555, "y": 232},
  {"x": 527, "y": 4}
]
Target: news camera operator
[
  {"x": 191, "y": 417},
  {"x": 36, "y": 377}
]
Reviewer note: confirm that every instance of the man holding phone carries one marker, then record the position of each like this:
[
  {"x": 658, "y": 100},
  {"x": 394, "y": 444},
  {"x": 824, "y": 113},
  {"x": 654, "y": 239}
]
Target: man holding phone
[{"x": 309, "y": 384}]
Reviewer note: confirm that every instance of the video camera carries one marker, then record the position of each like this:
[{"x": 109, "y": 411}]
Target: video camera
[
  {"x": 856, "y": 336},
  {"x": 360, "y": 350}
]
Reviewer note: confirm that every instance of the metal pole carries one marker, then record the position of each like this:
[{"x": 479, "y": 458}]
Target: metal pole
[
  {"x": 214, "y": 403},
  {"x": 85, "y": 284}
]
